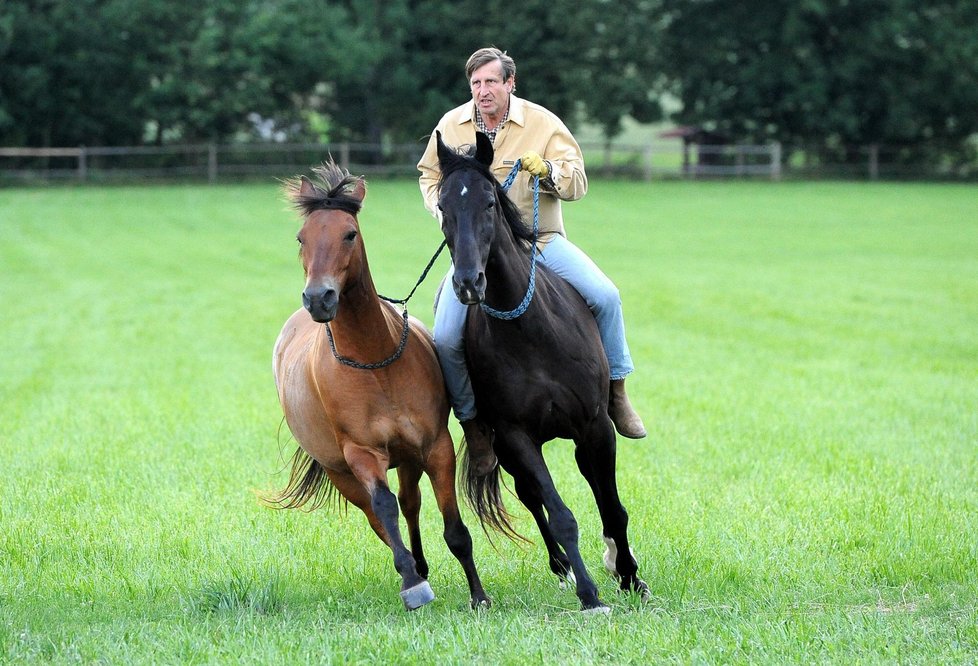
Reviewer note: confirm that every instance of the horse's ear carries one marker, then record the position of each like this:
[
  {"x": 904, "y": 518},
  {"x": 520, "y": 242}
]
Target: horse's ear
[
  {"x": 359, "y": 191},
  {"x": 483, "y": 148},
  {"x": 444, "y": 152},
  {"x": 306, "y": 188}
]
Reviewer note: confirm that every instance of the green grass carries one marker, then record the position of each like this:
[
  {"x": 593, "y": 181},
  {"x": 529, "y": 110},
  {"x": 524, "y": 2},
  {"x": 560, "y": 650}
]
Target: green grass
[{"x": 807, "y": 364}]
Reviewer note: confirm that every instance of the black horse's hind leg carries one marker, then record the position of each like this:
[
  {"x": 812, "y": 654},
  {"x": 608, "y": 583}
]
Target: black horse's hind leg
[
  {"x": 409, "y": 497},
  {"x": 595, "y": 455},
  {"x": 529, "y": 493},
  {"x": 561, "y": 523}
]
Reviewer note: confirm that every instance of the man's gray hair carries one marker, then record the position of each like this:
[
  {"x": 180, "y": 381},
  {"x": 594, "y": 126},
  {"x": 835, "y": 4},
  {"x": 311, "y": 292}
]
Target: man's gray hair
[{"x": 488, "y": 55}]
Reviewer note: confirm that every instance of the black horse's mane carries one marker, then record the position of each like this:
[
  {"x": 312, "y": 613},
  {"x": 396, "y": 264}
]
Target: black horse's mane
[
  {"x": 463, "y": 159},
  {"x": 330, "y": 191}
]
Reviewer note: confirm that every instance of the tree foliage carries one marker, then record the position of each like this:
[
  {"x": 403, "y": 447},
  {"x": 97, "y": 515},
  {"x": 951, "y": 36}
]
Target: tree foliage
[{"x": 834, "y": 72}]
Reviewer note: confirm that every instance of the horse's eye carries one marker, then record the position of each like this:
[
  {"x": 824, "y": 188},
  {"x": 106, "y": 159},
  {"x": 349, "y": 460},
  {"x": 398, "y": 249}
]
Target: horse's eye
[
  {"x": 438, "y": 205},
  {"x": 350, "y": 236},
  {"x": 299, "y": 239}
]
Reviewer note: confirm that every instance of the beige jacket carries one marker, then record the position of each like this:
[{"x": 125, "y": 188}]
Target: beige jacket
[{"x": 529, "y": 127}]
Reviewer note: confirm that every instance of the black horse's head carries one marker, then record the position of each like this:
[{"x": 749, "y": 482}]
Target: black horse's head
[{"x": 471, "y": 203}]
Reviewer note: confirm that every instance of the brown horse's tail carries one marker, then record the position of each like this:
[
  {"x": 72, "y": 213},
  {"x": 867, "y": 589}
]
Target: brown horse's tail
[
  {"x": 308, "y": 484},
  {"x": 484, "y": 497}
]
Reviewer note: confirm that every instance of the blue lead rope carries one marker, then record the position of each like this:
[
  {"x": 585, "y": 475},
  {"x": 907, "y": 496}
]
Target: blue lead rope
[{"x": 525, "y": 303}]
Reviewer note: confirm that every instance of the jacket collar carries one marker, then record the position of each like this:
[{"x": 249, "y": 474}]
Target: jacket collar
[{"x": 517, "y": 111}]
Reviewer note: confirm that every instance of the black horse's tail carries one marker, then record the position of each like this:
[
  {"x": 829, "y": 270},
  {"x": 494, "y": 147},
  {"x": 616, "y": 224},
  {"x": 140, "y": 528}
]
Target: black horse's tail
[
  {"x": 308, "y": 483},
  {"x": 483, "y": 494}
]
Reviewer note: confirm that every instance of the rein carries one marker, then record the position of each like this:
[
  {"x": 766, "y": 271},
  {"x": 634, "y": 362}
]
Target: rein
[
  {"x": 404, "y": 332},
  {"x": 525, "y": 303},
  {"x": 507, "y": 315}
]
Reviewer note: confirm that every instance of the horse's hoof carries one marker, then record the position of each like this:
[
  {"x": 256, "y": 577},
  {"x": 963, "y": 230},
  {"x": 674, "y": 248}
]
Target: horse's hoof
[
  {"x": 417, "y": 596},
  {"x": 641, "y": 588},
  {"x": 597, "y": 610},
  {"x": 481, "y": 604}
]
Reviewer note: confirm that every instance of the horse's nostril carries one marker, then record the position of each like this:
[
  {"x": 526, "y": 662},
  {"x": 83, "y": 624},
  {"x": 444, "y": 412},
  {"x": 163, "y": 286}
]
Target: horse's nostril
[{"x": 327, "y": 295}]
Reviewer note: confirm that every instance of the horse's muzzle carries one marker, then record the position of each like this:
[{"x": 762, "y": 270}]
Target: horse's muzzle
[
  {"x": 468, "y": 290},
  {"x": 321, "y": 302}
]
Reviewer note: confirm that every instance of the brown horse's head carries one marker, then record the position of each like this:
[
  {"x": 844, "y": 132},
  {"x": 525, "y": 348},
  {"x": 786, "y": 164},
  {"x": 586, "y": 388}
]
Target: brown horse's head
[{"x": 330, "y": 246}]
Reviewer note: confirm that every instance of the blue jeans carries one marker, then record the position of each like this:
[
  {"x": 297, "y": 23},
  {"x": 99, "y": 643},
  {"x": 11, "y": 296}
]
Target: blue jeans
[{"x": 566, "y": 260}]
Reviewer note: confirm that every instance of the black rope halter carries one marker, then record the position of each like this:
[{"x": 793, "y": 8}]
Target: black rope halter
[{"x": 404, "y": 332}]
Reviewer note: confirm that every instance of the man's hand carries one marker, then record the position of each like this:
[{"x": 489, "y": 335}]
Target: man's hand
[{"x": 534, "y": 164}]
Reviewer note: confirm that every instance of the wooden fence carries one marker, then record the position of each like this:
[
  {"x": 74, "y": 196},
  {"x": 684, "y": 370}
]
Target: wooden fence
[
  {"x": 214, "y": 162},
  {"x": 662, "y": 159}
]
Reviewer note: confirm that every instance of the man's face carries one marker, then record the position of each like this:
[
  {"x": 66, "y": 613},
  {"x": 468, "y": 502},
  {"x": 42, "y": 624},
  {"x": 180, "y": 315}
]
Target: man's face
[{"x": 489, "y": 91}]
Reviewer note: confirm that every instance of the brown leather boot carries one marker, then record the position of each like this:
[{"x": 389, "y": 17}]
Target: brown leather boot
[
  {"x": 478, "y": 439},
  {"x": 627, "y": 421}
]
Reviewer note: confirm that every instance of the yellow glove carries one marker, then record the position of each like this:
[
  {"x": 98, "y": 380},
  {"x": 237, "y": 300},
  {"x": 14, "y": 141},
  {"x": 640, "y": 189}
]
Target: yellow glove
[{"x": 533, "y": 163}]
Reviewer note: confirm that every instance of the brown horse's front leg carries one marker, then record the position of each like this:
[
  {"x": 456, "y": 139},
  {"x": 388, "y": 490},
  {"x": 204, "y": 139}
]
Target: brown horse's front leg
[
  {"x": 351, "y": 488},
  {"x": 372, "y": 473},
  {"x": 409, "y": 497},
  {"x": 441, "y": 471}
]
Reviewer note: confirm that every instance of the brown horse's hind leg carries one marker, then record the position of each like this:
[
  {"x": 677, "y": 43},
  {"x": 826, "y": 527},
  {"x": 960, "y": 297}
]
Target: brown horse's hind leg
[
  {"x": 409, "y": 497},
  {"x": 441, "y": 471},
  {"x": 367, "y": 466}
]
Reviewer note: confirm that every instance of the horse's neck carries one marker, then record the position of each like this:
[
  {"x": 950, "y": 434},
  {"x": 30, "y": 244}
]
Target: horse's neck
[
  {"x": 361, "y": 318},
  {"x": 507, "y": 268}
]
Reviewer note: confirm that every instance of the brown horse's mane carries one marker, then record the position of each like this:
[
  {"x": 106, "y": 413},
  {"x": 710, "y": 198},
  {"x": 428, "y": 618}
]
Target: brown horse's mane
[
  {"x": 330, "y": 190},
  {"x": 464, "y": 158}
]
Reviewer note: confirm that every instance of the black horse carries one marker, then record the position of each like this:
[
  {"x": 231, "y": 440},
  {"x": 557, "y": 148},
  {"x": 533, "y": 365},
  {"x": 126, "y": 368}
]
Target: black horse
[{"x": 536, "y": 377}]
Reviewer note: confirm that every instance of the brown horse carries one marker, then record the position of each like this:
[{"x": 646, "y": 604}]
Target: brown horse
[{"x": 362, "y": 390}]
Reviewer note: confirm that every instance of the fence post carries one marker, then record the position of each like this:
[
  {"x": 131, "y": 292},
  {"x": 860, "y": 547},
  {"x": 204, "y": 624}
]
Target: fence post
[
  {"x": 82, "y": 164},
  {"x": 345, "y": 155},
  {"x": 648, "y": 163},
  {"x": 776, "y": 160},
  {"x": 874, "y": 162},
  {"x": 211, "y": 163}
]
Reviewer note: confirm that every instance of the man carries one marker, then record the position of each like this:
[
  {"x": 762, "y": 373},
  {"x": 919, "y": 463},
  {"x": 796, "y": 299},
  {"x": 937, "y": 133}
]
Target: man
[{"x": 522, "y": 130}]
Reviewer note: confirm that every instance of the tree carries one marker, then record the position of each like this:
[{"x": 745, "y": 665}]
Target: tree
[
  {"x": 67, "y": 76},
  {"x": 836, "y": 72},
  {"x": 619, "y": 64},
  {"x": 590, "y": 60}
]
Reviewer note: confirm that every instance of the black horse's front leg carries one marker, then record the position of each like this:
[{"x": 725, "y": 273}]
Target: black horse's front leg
[
  {"x": 561, "y": 522},
  {"x": 529, "y": 493}
]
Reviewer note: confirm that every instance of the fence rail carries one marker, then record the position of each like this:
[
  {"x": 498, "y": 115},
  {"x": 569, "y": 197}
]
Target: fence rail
[{"x": 213, "y": 162}]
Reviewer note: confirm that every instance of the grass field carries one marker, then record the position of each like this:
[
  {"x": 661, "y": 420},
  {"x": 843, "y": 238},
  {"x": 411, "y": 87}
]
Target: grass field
[{"x": 807, "y": 364}]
